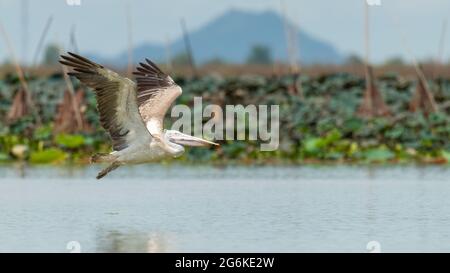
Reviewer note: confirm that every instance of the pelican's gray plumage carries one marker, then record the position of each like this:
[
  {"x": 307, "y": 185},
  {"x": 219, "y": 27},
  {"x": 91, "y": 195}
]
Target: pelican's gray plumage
[{"x": 133, "y": 113}]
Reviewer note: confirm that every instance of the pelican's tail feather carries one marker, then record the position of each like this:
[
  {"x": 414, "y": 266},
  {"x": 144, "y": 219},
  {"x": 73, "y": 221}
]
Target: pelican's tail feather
[
  {"x": 101, "y": 157},
  {"x": 108, "y": 169}
]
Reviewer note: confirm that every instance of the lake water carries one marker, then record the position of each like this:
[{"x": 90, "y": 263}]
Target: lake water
[{"x": 153, "y": 208}]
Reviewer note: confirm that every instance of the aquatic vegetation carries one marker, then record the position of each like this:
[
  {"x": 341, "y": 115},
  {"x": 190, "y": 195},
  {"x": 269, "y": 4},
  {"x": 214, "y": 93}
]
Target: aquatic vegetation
[
  {"x": 51, "y": 155},
  {"x": 321, "y": 124},
  {"x": 70, "y": 141}
]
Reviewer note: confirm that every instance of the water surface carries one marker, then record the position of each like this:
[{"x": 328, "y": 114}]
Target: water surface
[{"x": 201, "y": 209}]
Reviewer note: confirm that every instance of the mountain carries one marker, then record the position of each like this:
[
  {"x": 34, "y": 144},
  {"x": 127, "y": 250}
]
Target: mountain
[{"x": 231, "y": 36}]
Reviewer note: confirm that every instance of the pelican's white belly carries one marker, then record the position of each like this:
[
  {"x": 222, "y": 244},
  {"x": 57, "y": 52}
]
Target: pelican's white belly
[{"x": 141, "y": 153}]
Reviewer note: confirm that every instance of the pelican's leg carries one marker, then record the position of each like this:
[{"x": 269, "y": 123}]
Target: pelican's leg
[{"x": 108, "y": 169}]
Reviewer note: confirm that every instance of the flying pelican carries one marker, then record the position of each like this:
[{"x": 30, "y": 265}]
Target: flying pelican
[{"x": 133, "y": 113}]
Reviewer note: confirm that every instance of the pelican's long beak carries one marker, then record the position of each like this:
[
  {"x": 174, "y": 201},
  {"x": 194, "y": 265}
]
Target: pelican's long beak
[{"x": 193, "y": 141}]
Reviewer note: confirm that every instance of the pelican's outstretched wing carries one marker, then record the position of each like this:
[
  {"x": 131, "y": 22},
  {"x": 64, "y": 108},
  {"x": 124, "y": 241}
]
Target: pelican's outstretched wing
[
  {"x": 156, "y": 91},
  {"x": 116, "y": 100}
]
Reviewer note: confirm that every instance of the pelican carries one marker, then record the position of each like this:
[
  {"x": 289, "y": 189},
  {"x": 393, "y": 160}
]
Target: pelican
[{"x": 133, "y": 113}]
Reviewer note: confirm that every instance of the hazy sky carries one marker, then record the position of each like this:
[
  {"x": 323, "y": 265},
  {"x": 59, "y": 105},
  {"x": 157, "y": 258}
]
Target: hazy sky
[{"x": 101, "y": 28}]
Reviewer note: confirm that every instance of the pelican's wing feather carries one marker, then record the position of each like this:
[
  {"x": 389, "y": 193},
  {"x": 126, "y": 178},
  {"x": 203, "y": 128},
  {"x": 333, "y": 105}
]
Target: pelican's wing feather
[
  {"x": 116, "y": 100},
  {"x": 156, "y": 91}
]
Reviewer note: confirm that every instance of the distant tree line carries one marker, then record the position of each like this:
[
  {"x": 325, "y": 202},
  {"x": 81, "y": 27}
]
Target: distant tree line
[{"x": 259, "y": 54}]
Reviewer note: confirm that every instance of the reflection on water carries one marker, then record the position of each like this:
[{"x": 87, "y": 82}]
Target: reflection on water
[
  {"x": 154, "y": 208},
  {"x": 113, "y": 241},
  {"x": 20, "y": 167}
]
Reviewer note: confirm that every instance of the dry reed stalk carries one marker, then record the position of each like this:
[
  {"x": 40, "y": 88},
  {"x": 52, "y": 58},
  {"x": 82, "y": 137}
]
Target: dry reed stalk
[
  {"x": 373, "y": 104},
  {"x": 22, "y": 102},
  {"x": 423, "y": 99},
  {"x": 66, "y": 115}
]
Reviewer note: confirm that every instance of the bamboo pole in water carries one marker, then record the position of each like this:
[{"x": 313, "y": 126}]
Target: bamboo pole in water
[
  {"x": 291, "y": 47},
  {"x": 187, "y": 44},
  {"x": 373, "y": 103},
  {"x": 423, "y": 91},
  {"x": 441, "y": 51},
  {"x": 41, "y": 40},
  {"x": 287, "y": 34},
  {"x": 73, "y": 39},
  {"x": 129, "y": 39},
  {"x": 292, "y": 52},
  {"x": 366, "y": 41},
  {"x": 168, "y": 55},
  {"x": 25, "y": 24}
]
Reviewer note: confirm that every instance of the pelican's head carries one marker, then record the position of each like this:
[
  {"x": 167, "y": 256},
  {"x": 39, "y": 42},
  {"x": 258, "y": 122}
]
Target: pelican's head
[{"x": 186, "y": 140}]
